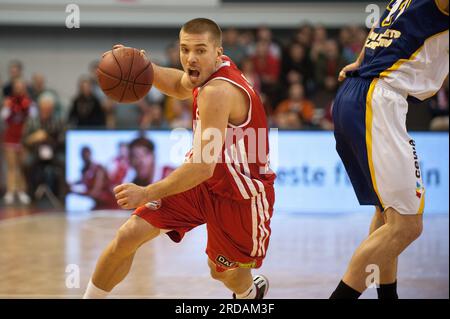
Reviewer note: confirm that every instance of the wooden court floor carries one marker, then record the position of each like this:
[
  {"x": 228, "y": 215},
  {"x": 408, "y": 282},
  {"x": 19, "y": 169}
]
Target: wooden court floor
[{"x": 42, "y": 254}]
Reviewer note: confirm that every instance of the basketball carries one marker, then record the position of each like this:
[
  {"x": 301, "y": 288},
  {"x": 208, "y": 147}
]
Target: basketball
[{"x": 125, "y": 75}]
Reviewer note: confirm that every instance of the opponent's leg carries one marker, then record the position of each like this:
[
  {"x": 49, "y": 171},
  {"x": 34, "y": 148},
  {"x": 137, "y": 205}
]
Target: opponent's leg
[
  {"x": 381, "y": 248},
  {"x": 388, "y": 275},
  {"x": 241, "y": 282},
  {"x": 115, "y": 261}
]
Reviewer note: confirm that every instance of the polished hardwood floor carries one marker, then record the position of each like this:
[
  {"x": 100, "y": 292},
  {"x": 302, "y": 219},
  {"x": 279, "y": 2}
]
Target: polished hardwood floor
[{"x": 42, "y": 253}]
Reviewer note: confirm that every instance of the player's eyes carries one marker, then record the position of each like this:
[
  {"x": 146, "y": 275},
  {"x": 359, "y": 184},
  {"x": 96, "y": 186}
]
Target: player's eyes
[
  {"x": 200, "y": 51},
  {"x": 184, "y": 50}
]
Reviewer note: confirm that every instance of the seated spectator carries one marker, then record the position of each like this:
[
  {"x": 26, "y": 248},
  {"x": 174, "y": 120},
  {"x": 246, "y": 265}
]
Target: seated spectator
[
  {"x": 319, "y": 40},
  {"x": 296, "y": 60},
  {"x": 296, "y": 104},
  {"x": 17, "y": 107},
  {"x": 176, "y": 110},
  {"x": 173, "y": 56},
  {"x": 38, "y": 87},
  {"x": 287, "y": 121},
  {"x": 327, "y": 66},
  {"x": 248, "y": 70},
  {"x": 86, "y": 109},
  {"x": 267, "y": 67},
  {"x": 181, "y": 115},
  {"x": 108, "y": 104},
  {"x": 44, "y": 139},
  {"x": 264, "y": 34},
  {"x": 154, "y": 118},
  {"x": 231, "y": 46},
  {"x": 304, "y": 36}
]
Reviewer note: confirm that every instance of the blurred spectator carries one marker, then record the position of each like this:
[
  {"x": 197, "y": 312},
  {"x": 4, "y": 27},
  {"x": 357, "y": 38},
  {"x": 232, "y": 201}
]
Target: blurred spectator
[
  {"x": 246, "y": 39},
  {"x": 108, "y": 104},
  {"x": 326, "y": 121},
  {"x": 267, "y": 67},
  {"x": 318, "y": 46},
  {"x": 181, "y": 114},
  {"x": 264, "y": 34},
  {"x": 142, "y": 159},
  {"x": 154, "y": 118},
  {"x": 16, "y": 109},
  {"x": 438, "y": 107},
  {"x": 94, "y": 182},
  {"x": 304, "y": 37},
  {"x": 128, "y": 115},
  {"x": 248, "y": 70},
  {"x": 351, "y": 40},
  {"x": 38, "y": 87},
  {"x": 86, "y": 110},
  {"x": 15, "y": 72},
  {"x": 231, "y": 46},
  {"x": 44, "y": 139},
  {"x": 296, "y": 60},
  {"x": 327, "y": 66},
  {"x": 295, "y": 104},
  {"x": 176, "y": 110},
  {"x": 173, "y": 56}
]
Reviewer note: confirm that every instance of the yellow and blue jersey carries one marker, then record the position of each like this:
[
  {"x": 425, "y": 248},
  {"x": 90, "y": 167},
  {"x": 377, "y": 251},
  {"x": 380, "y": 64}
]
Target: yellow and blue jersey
[
  {"x": 409, "y": 48},
  {"x": 406, "y": 55}
]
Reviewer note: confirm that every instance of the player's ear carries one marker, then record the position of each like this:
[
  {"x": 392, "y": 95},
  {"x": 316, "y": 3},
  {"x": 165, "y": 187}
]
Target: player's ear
[{"x": 219, "y": 51}]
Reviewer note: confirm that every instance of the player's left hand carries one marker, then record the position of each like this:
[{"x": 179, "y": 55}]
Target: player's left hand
[{"x": 130, "y": 195}]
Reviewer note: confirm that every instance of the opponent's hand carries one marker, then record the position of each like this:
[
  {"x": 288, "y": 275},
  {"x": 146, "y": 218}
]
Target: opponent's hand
[
  {"x": 350, "y": 67},
  {"x": 130, "y": 195}
]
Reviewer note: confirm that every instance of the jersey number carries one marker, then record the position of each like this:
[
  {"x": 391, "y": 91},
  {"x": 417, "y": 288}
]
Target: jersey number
[{"x": 396, "y": 9}]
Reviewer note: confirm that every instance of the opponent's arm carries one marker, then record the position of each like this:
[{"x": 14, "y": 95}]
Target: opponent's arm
[
  {"x": 355, "y": 65},
  {"x": 443, "y": 5},
  {"x": 214, "y": 108}
]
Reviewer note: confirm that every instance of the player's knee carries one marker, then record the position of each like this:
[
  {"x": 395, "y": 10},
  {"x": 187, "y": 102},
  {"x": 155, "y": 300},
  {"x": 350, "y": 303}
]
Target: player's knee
[
  {"x": 217, "y": 275},
  {"x": 409, "y": 231},
  {"x": 126, "y": 241}
]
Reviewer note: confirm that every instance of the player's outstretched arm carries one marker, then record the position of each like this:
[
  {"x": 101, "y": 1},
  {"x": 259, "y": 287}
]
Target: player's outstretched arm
[
  {"x": 214, "y": 103},
  {"x": 170, "y": 81}
]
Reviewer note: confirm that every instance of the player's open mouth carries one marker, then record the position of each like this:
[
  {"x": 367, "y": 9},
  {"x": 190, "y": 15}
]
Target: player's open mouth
[{"x": 193, "y": 74}]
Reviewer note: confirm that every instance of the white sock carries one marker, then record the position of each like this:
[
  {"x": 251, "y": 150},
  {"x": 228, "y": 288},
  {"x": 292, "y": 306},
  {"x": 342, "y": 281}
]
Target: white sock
[
  {"x": 250, "y": 293},
  {"x": 93, "y": 292}
]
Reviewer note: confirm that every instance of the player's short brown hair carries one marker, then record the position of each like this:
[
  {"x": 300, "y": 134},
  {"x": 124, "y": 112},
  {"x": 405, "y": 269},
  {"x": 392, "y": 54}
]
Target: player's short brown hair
[{"x": 202, "y": 25}]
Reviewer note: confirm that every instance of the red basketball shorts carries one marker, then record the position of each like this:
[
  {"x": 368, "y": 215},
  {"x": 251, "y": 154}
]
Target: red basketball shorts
[{"x": 238, "y": 231}]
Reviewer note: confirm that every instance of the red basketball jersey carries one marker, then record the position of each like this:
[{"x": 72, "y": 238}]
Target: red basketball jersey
[{"x": 243, "y": 170}]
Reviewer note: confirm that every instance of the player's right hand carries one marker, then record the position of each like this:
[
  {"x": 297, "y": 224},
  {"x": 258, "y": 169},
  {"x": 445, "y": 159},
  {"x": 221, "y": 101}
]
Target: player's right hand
[
  {"x": 350, "y": 67},
  {"x": 118, "y": 46}
]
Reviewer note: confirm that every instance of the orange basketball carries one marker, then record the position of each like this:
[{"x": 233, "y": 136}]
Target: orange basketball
[{"x": 125, "y": 75}]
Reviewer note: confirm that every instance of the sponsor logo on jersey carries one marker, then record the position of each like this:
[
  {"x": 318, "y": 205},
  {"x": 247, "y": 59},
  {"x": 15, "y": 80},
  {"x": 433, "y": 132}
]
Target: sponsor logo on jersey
[
  {"x": 419, "y": 187},
  {"x": 225, "y": 262},
  {"x": 154, "y": 205},
  {"x": 419, "y": 190},
  {"x": 251, "y": 264},
  {"x": 384, "y": 40}
]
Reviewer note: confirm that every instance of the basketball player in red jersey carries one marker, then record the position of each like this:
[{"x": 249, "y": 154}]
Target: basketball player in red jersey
[{"x": 231, "y": 190}]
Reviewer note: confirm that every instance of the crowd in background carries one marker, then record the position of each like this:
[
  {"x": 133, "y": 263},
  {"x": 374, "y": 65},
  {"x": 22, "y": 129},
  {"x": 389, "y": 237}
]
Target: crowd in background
[{"x": 296, "y": 77}]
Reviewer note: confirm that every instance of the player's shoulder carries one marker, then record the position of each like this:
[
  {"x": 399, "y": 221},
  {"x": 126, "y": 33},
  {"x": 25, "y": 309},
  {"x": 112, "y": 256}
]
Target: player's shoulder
[{"x": 218, "y": 89}]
